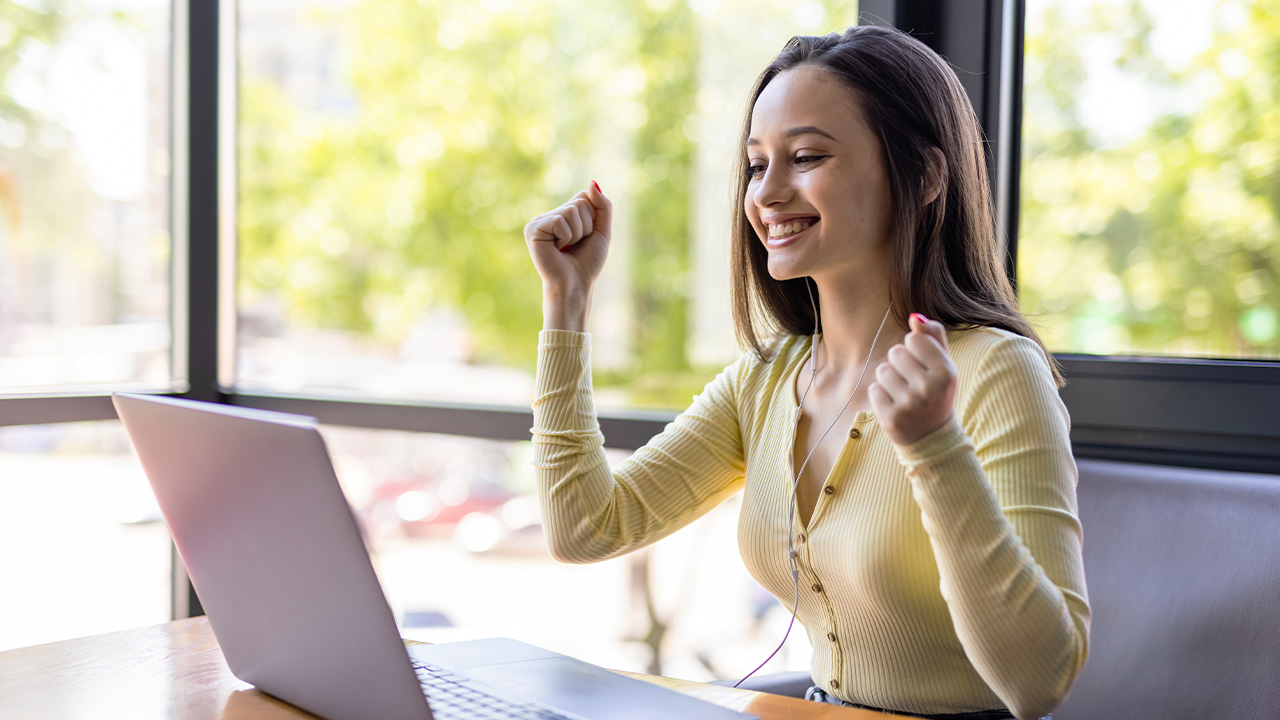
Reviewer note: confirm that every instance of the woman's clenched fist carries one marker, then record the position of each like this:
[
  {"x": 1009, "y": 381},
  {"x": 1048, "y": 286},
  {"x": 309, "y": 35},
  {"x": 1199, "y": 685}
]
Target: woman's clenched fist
[{"x": 569, "y": 244}]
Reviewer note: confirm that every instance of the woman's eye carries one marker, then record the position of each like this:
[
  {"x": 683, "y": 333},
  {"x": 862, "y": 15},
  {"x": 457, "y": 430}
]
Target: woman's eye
[
  {"x": 809, "y": 159},
  {"x": 756, "y": 170}
]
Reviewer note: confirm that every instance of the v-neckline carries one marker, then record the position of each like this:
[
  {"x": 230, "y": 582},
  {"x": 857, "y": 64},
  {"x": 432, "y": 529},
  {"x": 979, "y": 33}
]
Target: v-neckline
[{"x": 860, "y": 417}]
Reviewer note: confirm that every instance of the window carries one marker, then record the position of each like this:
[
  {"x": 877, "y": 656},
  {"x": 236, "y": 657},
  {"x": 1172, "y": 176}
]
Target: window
[
  {"x": 1148, "y": 223},
  {"x": 85, "y": 305},
  {"x": 1146, "y": 229},
  {"x": 391, "y": 152},
  {"x": 84, "y": 196}
]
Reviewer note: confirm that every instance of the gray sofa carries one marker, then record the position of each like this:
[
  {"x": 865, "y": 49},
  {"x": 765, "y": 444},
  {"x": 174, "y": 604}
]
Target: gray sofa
[{"x": 1183, "y": 569}]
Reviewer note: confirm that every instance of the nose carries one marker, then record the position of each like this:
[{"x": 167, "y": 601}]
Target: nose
[{"x": 774, "y": 187}]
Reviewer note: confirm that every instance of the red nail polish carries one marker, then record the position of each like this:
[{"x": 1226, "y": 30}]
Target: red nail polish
[
  {"x": 565, "y": 248},
  {"x": 596, "y": 185},
  {"x": 920, "y": 318}
]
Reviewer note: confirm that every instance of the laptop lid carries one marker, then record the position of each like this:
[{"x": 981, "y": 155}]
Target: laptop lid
[{"x": 275, "y": 554}]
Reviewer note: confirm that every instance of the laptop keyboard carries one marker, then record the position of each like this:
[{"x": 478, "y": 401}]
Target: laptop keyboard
[{"x": 452, "y": 696}]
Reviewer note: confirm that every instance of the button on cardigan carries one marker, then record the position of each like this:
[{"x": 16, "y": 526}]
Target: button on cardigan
[{"x": 950, "y": 569}]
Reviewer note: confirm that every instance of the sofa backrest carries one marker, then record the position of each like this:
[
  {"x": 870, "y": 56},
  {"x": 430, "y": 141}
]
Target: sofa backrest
[{"x": 1183, "y": 571}]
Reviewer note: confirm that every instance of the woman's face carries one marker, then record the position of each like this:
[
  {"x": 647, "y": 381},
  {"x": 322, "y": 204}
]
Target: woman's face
[{"x": 818, "y": 194}]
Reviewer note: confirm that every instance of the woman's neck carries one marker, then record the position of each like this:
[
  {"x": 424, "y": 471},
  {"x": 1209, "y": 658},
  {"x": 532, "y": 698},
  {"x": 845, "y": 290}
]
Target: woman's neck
[{"x": 850, "y": 323}]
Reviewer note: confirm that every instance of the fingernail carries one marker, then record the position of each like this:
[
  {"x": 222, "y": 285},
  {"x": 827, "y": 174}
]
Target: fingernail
[
  {"x": 565, "y": 248},
  {"x": 596, "y": 185},
  {"x": 920, "y": 318}
]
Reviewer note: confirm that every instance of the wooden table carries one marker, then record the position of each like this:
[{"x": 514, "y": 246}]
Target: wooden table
[{"x": 176, "y": 671}]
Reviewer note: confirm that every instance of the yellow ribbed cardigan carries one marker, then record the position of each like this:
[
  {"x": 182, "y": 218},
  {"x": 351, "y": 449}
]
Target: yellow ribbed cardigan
[{"x": 941, "y": 577}]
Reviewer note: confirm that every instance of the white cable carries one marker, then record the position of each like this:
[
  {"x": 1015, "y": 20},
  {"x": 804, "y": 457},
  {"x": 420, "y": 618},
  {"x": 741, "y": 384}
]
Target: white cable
[{"x": 791, "y": 511}]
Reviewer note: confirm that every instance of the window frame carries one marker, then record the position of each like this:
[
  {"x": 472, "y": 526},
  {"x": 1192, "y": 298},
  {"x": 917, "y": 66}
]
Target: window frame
[{"x": 1170, "y": 411}]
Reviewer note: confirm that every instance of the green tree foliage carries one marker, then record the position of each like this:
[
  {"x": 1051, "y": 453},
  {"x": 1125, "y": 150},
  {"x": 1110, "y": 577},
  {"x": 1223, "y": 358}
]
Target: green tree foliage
[
  {"x": 468, "y": 123},
  {"x": 466, "y": 120},
  {"x": 668, "y": 53},
  {"x": 1166, "y": 243}
]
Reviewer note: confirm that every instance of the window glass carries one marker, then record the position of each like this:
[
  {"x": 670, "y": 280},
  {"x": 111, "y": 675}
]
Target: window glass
[
  {"x": 84, "y": 194},
  {"x": 391, "y": 152},
  {"x": 1151, "y": 157},
  {"x": 457, "y": 541},
  {"x": 85, "y": 548}
]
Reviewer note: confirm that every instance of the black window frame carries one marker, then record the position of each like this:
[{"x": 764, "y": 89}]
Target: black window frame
[{"x": 1168, "y": 411}]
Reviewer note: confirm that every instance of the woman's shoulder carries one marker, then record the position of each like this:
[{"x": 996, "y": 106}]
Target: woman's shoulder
[
  {"x": 775, "y": 351},
  {"x": 980, "y": 344},
  {"x": 986, "y": 355},
  {"x": 1004, "y": 380},
  {"x": 787, "y": 349},
  {"x": 782, "y": 353}
]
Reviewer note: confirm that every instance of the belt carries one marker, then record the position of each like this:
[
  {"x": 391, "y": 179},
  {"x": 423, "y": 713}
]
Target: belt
[{"x": 817, "y": 694}]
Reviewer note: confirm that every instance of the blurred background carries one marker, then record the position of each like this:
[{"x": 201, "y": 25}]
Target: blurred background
[{"x": 388, "y": 154}]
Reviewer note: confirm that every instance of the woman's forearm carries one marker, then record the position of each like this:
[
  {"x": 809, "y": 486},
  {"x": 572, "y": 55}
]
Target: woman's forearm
[{"x": 1016, "y": 602}]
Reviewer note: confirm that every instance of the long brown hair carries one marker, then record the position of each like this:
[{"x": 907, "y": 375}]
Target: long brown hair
[{"x": 947, "y": 262}]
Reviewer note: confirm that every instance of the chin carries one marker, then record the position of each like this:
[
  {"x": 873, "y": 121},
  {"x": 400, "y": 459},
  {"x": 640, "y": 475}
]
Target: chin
[{"x": 782, "y": 271}]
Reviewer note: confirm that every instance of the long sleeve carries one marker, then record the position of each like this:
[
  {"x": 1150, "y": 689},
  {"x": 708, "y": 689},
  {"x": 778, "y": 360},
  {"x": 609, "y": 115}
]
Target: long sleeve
[
  {"x": 999, "y": 506},
  {"x": 591, "y": 512}
]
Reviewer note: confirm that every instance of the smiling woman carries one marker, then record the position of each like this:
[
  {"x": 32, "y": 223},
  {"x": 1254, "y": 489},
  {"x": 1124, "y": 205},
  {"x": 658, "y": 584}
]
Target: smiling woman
[{"x": 937, "y": 531}]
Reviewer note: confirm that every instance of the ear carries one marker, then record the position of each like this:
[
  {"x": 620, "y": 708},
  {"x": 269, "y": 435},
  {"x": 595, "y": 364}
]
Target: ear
[{"x": 935, "y": 175}]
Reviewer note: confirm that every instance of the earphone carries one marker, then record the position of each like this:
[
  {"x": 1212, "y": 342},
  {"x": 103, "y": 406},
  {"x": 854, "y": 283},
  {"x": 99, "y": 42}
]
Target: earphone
[{"x": 795, "y": 429}]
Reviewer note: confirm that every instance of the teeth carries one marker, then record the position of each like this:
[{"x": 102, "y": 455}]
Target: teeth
[{"x": 789, "y": 229}]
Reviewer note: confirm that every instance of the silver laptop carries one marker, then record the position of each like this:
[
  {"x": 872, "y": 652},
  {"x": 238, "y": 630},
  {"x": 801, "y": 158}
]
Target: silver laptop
[{"x": 278, "y": 561}]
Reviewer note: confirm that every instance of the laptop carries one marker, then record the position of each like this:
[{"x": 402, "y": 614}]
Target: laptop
[{"x": 278, "y": 560}]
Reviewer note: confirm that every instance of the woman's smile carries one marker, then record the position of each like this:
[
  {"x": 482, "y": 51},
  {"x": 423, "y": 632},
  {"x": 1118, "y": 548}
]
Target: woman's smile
[{"x": 782, "y": 233}]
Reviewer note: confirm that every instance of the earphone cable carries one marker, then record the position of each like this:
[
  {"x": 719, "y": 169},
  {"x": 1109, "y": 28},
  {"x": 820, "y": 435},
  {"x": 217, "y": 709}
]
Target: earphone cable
[{"x": 791, "y": 511}]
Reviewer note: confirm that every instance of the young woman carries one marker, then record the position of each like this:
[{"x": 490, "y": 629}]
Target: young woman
[{"x": 895, "y": 429}]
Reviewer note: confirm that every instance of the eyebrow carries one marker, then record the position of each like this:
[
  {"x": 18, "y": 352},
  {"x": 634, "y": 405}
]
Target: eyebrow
[{"x": 802, "y": 130}]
